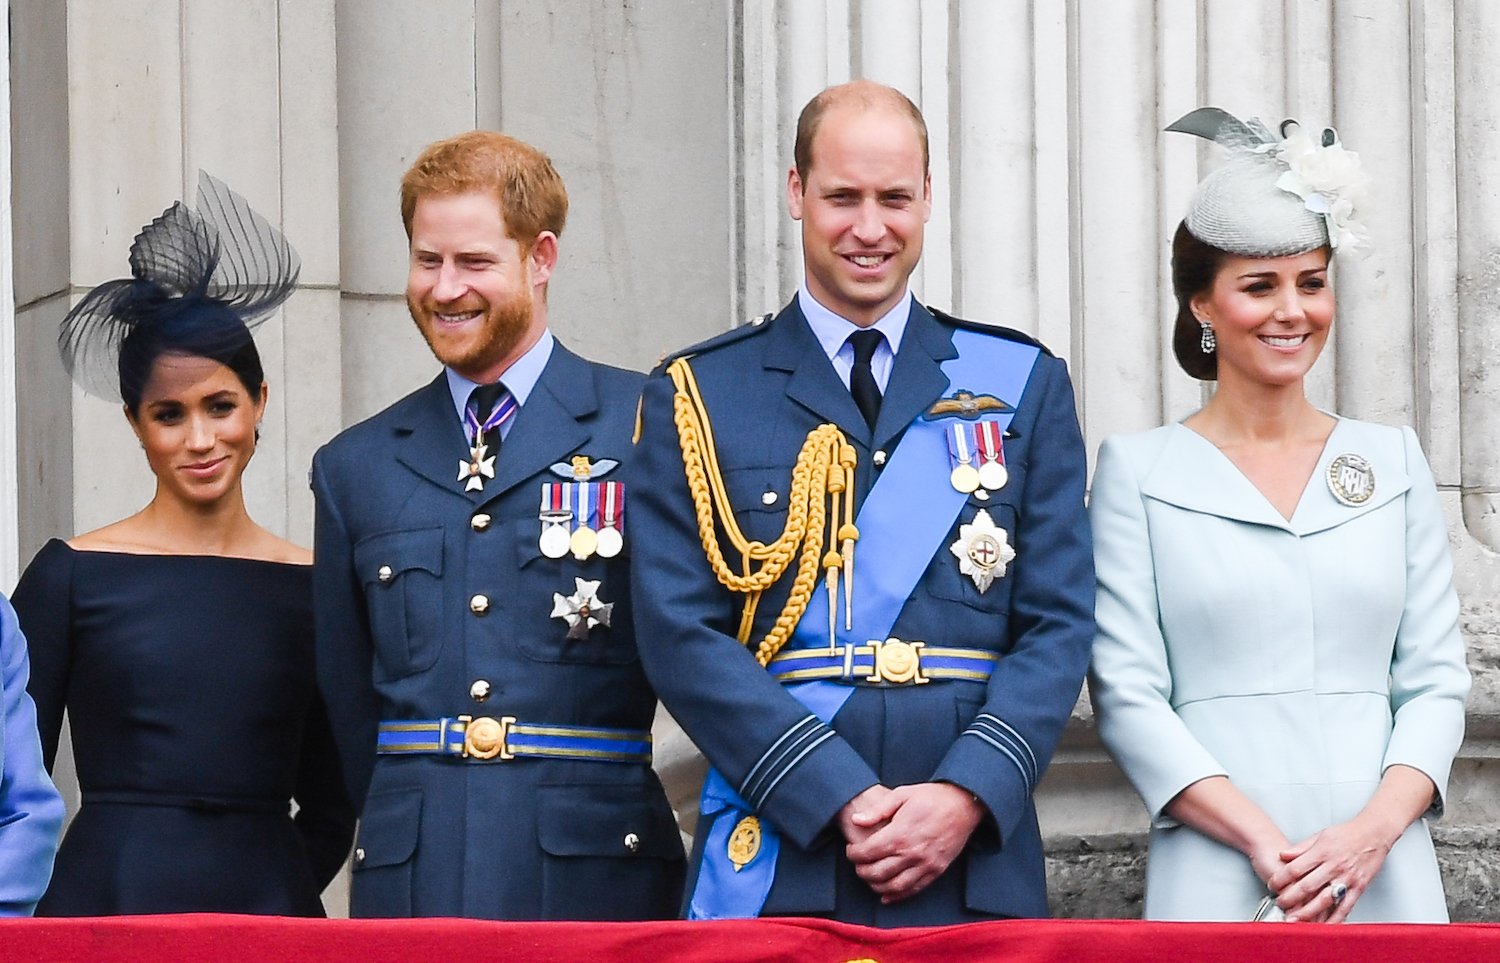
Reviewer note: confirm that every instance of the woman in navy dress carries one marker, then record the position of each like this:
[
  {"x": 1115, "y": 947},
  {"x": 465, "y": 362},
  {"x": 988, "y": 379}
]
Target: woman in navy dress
[{"x": 179, "y": 640}]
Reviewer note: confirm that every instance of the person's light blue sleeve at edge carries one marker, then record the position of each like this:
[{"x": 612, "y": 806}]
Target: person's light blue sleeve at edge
[{"x": 31, "y": 811}]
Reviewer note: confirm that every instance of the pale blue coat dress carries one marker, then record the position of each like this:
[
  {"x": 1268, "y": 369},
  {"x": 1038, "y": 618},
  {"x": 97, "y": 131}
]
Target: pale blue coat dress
[{"x": 1300, "y": 658}]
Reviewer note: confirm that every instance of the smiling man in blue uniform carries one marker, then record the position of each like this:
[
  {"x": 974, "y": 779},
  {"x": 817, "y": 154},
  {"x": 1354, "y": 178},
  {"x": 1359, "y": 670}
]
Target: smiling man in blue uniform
[
  {"x": 475, "y": 645},
  {"x": 863, "y": 580}
]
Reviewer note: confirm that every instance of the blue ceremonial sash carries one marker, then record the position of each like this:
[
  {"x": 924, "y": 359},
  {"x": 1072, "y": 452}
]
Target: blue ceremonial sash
[{"x": 910, "y": 504}]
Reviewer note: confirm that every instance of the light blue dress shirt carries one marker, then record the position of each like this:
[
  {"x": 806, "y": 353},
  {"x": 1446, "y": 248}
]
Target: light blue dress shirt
[
  {"x": 520, "y": 378},
  {"x": 832, "y": 332}
]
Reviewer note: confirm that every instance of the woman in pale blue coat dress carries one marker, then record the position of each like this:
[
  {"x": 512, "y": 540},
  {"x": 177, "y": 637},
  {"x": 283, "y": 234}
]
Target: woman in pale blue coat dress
[{"x": 1278, "y": 669}]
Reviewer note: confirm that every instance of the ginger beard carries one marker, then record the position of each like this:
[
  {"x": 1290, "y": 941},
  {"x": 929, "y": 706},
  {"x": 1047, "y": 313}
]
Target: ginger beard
[{"x": 474, "y": 345}]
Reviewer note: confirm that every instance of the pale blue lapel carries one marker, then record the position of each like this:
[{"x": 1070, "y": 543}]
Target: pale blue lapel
[
  {"x": 1379, "y": 445},
  {"x": 1192, "y": 474}
]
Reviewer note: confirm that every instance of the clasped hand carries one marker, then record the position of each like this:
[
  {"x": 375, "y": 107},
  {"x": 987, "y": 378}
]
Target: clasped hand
[
  {"x": 902, "y": 839},
  {"x": 1346, "y": 853}
]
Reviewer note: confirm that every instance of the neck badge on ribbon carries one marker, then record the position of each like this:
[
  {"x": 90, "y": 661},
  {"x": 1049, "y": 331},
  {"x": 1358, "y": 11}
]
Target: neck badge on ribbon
[{"x": 480, "y": 464}]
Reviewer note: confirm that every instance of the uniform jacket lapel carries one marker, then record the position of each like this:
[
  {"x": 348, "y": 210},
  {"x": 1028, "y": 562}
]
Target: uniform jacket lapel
[
  {"x": 813, "y": 383},
  {"x": 548, "y": 426},
  {"x": 917, "y": 379},
  {"x": 429, "y": 437},
  {"x": 431, "y": 440}
]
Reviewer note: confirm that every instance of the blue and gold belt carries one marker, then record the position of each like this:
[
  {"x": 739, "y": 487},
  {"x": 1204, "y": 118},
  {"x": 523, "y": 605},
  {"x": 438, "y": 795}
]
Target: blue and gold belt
[
  {"x": 892, "y": 662},
  {"x": 502, "y": 739}
]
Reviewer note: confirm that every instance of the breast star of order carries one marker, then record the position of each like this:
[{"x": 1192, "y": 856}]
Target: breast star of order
[
  {"x": 983, "y": 550},
  {"x": 582, "y": 610}
]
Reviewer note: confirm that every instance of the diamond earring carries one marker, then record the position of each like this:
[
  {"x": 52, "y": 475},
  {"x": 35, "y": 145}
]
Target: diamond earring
[{"x": 1206, "y": 341}]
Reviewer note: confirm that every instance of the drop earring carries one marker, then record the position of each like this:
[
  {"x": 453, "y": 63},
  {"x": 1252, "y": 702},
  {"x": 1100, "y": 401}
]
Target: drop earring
[{"x": 1206, "y": 341}]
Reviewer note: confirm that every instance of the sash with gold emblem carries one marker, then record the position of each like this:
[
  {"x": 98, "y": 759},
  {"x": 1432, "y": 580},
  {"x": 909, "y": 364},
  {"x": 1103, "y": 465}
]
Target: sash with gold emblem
[{"x": 902, "y": 524}]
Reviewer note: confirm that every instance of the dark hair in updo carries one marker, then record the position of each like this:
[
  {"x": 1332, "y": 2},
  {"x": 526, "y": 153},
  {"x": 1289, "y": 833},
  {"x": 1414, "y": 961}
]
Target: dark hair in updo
[
  {"x": 207, "y": 330},
  {"x": 1194, "y": 267}
]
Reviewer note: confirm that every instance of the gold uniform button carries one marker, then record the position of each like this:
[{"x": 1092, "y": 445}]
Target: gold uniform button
[
  {"x": 769, "y": 498},
  {"x": 480, "y": 690},
  {"x": 479, "y": 522},
  {"x": 632, "y": 842},
  {"x": 479, "y": 605},
  {"x": 385, "y": 573},
  {"x": 879, "y": 459},
  {"x": 359, "y": 855}
]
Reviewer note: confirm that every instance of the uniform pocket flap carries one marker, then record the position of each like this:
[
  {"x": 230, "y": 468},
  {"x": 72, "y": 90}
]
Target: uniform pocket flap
[
  {"x": 388, "y": 828},
  {"x": 380, "y": 558},
  {"x": 621, "y": 820}
]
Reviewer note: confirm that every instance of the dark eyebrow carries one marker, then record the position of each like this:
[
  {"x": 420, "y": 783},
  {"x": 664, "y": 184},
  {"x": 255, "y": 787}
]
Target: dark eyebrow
[{"x": 1257, "y": 274}]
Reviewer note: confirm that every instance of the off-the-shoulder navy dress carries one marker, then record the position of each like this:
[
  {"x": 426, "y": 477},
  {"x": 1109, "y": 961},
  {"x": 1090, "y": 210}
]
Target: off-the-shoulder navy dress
[{"x": 189, "y": 687}]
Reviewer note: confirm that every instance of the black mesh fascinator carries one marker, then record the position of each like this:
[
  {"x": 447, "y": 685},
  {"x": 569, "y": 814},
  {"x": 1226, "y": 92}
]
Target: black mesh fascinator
[{"x": 200, "y": 280}]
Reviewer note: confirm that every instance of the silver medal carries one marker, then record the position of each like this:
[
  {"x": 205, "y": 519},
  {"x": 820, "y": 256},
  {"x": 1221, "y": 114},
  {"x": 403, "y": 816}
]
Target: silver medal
[
  {"x": 1351, "y": 479},
  {"x": 555, "y": 540},
  {"x": 610, "y": 542}
]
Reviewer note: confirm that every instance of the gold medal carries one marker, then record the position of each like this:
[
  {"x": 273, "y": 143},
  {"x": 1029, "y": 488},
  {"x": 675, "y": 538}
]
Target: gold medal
[
  {"x": 964, "y": 478},
  {"x": 744, "y": 842},
  {"x": 583, "y": 543}
]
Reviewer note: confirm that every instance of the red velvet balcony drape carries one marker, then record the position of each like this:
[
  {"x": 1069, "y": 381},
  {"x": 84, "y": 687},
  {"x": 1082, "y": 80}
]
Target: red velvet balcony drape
[{"x": 208, "y": 937}]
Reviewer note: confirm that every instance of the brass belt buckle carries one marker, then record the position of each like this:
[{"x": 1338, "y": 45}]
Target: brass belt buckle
[
  {"x": 485, "y": 738},
  {"x": 897, "y": 662}
]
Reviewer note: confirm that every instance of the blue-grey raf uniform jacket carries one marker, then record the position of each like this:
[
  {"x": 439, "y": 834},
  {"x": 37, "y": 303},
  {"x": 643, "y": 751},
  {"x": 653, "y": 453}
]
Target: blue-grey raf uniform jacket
[
  {"x": 765, "y": 387},
  {"x": 31, "y": 811},
  {"x": 432, "y": 602}
]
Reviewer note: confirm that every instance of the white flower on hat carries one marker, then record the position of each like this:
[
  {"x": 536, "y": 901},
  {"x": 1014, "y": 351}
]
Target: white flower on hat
[{"x": 1330, "y": 181}]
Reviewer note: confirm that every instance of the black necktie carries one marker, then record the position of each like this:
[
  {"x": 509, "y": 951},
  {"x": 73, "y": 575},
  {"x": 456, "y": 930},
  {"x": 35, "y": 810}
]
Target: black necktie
[
  {"x": 861, "y": 378},
  {"x": 484, "y": 399}
]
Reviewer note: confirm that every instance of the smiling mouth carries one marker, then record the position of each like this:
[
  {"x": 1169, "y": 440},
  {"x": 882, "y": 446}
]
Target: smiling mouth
[
  {"x": 1284, "y": 341},
  {"x": 867, "y": 260},
  {"x": 203, "y": 467},
  {"x": 460, "y": 317}
]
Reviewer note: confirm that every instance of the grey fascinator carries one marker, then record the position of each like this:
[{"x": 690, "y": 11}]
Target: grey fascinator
[
  {"x": 200, "y": 280},
  {"x": 1279, "y": 193}
]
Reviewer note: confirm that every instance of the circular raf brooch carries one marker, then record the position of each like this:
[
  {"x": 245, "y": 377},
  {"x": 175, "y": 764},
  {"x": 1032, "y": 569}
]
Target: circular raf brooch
[{"x": 1351, "y": 479}]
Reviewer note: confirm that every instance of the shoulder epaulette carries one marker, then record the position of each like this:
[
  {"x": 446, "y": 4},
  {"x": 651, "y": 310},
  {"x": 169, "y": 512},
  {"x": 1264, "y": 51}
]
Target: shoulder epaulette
[
  {"x": 999, "y": 331},
  {"x": 754, "y": 326}
]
